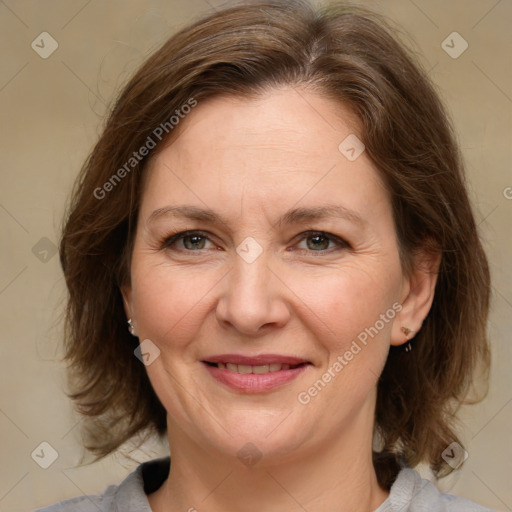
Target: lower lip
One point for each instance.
(254, 382)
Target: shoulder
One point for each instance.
(86, 503)
(412, 493)
(129, 496)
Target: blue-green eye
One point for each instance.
(195, 241)
(191, 241)
(320, 241)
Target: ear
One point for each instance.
(417, 296)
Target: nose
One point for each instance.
(253, 299)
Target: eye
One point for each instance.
(320, 241)
(195, 241)
(191, 241)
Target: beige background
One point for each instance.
(51, 115)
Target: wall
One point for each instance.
(51, 115)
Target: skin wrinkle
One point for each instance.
(286, 302)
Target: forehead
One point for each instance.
(280, 148)
(284, 124)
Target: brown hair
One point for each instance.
(347, 54)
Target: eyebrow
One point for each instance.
(293, 216)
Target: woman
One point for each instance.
(276, 210)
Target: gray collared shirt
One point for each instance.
(409, 493)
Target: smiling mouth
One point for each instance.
(259, 369)
(261, 373)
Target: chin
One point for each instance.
(267, 438)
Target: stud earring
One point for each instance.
(130, 327)
(407, 331)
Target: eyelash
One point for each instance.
(167, 242)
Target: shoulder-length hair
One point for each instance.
(349, 55)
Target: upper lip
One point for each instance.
(261, 359)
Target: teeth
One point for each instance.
(277, 367)
(260, 369)
(245, 368)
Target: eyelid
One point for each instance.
(342, 244)
(170, 239)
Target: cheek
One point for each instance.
(352, 321)
(346, 301)
(168, 302)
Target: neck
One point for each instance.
(338, 475)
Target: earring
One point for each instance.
(407, 331)
(130, 327)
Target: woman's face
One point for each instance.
(269, 285)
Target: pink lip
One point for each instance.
(255, 382)
(255, 360)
